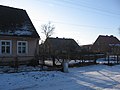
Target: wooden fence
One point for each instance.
(16, 60)
(57, 60)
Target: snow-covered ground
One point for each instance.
(95, 77)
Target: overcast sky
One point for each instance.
(82, 20)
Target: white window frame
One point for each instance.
(26, 51)
(1, 47)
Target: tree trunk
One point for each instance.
(53, 58)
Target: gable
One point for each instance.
(16, 22)
(103, 43)
(106, 40)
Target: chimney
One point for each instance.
(111, 36)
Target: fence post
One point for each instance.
(53, 58)
(16, 64)
(117, 59)
(108, 60)
(43, 61)
(95, 58)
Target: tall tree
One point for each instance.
(47, 29)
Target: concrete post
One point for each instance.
(65, 66)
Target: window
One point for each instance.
(5, 47)
(22, 47)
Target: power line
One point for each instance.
(83, 2)
(97, 10)
(71, 24)
(89, 7)
(77, 25)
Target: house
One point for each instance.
(106, 44)
(60, 45)
(86, 48)
(19, 39)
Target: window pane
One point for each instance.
(3, 43)
(3, 49)
(7, 49)
(19, 43)
(19, 49)
(7, 43)
(24, 50)
(23, 44)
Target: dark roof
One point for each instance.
(16, 22)
(107, 39)
(62, 44)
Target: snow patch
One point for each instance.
(18, 32)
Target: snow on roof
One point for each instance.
(24, 30)
(114, 45)
(18, 32)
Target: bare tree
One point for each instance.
(48, 29)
